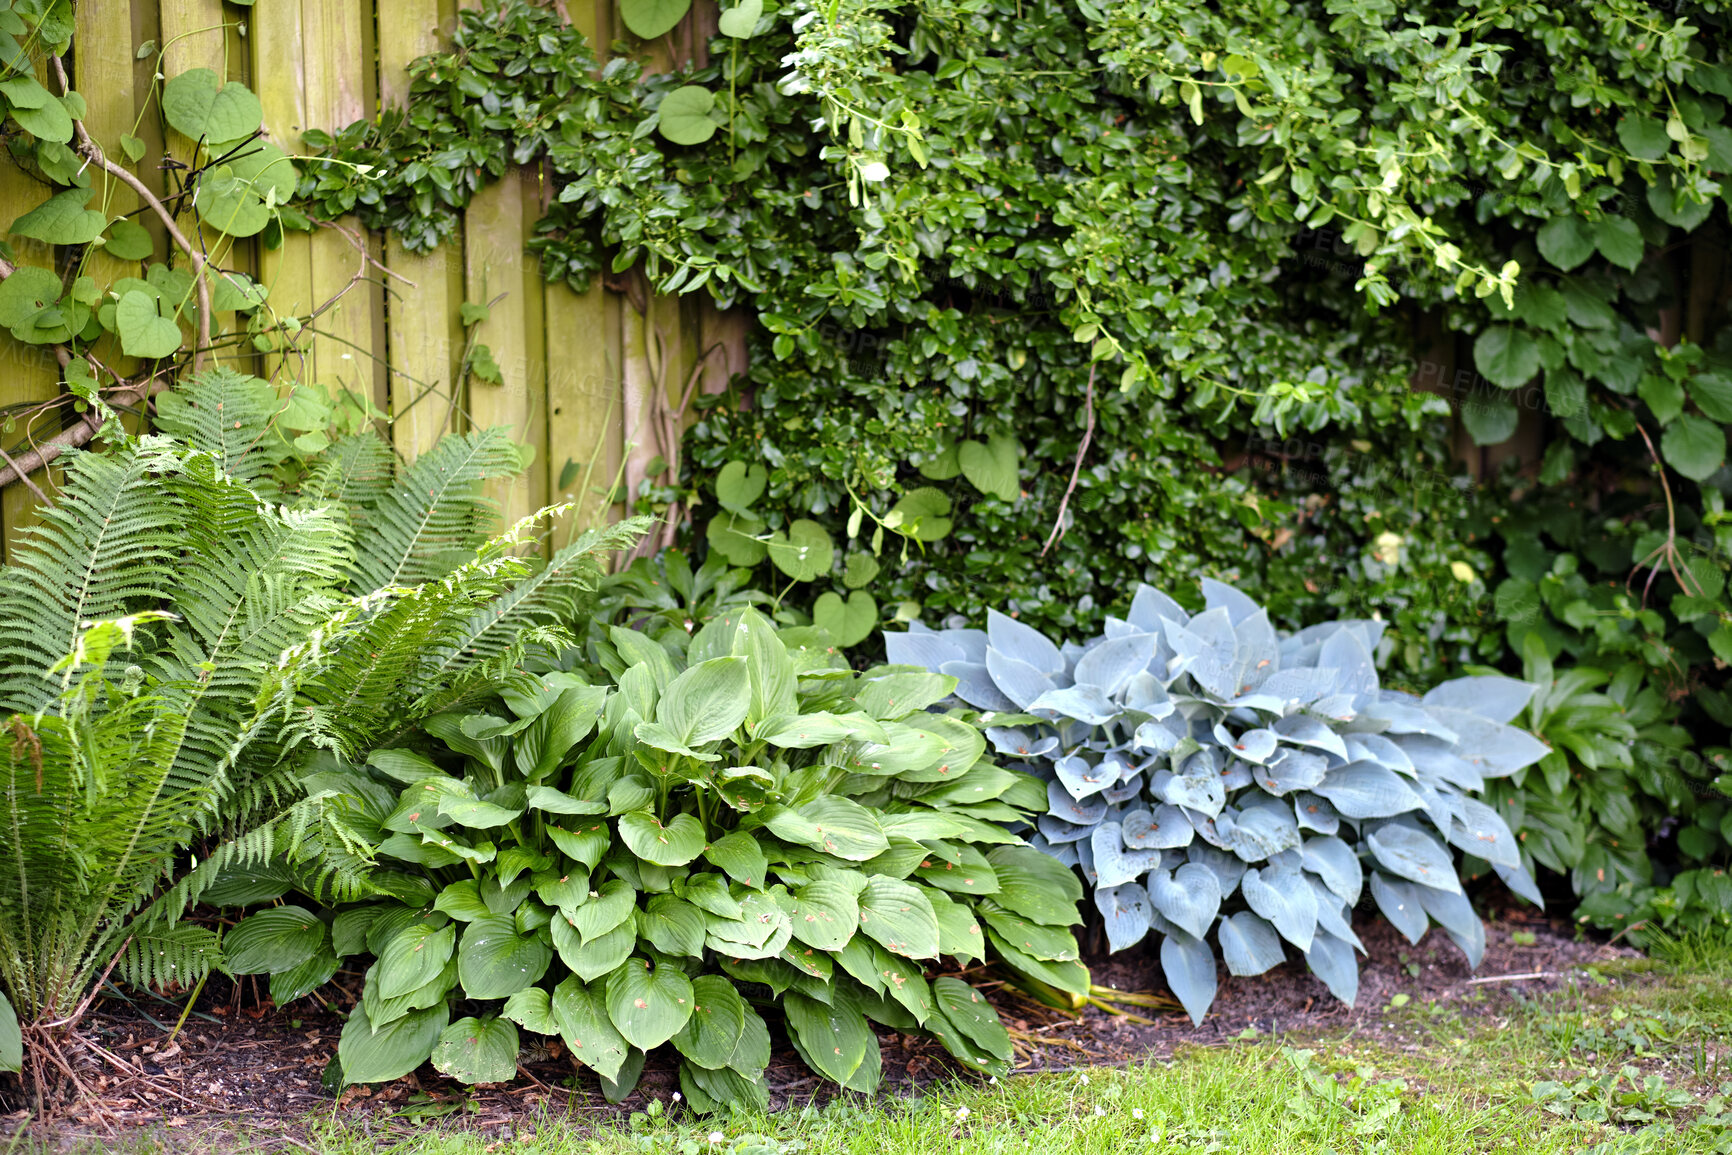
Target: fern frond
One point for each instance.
(436, 514)
(227, 415)
(168, 956)
(109, 546)
(550, 596)
(354, 474)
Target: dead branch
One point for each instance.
(1076, 470)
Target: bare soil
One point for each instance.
(240, 1062)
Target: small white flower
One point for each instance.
(1136, 1112)
(676, 1096)
(1085, 1079)
(994, 1079)
(716, 1136)
(961, 1113)
(1100, 1110)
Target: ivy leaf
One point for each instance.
(143, 331)
(199, 105)
(1507, 356)
(1644, 137)
(1620, 241)
(848, 623)
(991, 468)
(1694, 446)
(685, 113)
(741, 20)
(62, 219)
(1489, 420)
(1711, 391)
(650, 18)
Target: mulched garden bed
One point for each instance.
(241, 1062)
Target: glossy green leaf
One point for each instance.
(473, 1050)
(649, 1004)
(494, 961)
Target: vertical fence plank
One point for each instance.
(279, 46)
(493, 276)
(423, 338)
(28, 373)
(530, 290)
(334, 70)
(194, 36)
(585, 412)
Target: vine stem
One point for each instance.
(1076, 469)
(1669, 550)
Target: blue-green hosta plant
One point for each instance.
(1208, 776)
(648, 847)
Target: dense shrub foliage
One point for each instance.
(646, 848)
(1206, 774)
(1200, 239)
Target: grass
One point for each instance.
(1635, 1058)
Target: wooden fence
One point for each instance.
(590, 381)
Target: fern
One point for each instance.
(164, 956)
(109, 547)
(353, 475)
(436, 513)
(227, 415)
(549, 595)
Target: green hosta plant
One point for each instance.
(1206, 774)
(677, 831)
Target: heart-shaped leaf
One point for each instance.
(1189, 898)
(737, 485)
(393, 1049)
(648, 1004)
(991, 468)
(1694, 446)
(494, 961)
(740, 20)
(1412, 854)
(1189, 965)
(848, 623)
(712, 1034)
(675, 843)
(581, 1012)
(199, 105)
(62, 219)
(1164, 828)
(1125, 910)
(1508, 356)
(1566, 241)
(685, 119)
(1281, 895)
(650, 18)
(899, 917)
(1249, 944)
(273, 940)
(414, 958)
(804, 552)
(473, 1050)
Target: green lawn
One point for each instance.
(1635, 1058)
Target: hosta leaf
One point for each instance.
(1412, 854)
(898, 916)
(1337, 865)
(531, 1009)
(740, 856)
(581, 1012)
(1048, 943)
(834, 1039)
(1126, 911)
(1331, 960)
(1281, 895)
(825, 914)
(1036, 886)
(1367, 790)
(277, 939)
(710, 1037)
(833, 824)
(584, 842)
(473, 1050)
(673, 926)
(605, 910)
(648, 1004)
(1399, 902)
(1189, 965)
(592, 958)
(707, 702)
(414, 958)
(1249, 945)
(1189, 897)
(394, 1049)
(494, 961)
(969, 1011)
(300, 981)
(678, 842)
